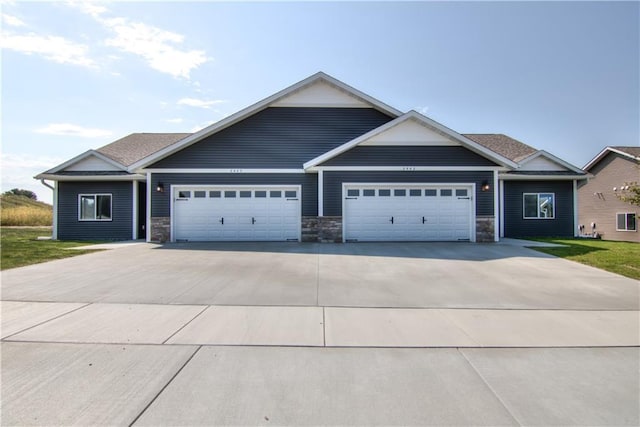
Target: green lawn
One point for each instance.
(19, 247)
(617, 257)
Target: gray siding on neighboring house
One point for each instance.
(514, 223)
(277, 137)
(409, 156)
(160, 202)
(333, 185)
(597, 202)
(119, 228)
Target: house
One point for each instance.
(317, 161)
(599, 209)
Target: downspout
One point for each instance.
(54, 229)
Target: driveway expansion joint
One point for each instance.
(165, 386)
(495, 394)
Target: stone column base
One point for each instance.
(160, 229)
(485, 228)
(324, 229)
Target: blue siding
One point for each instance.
(333, 185)
(277, 138)
(409, 156)
(70, 228)
(160, 202)
(514, 223)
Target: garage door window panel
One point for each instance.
(94, 207)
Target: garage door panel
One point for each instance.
(243, 214)
(420, 212)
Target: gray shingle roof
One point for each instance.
(137, 146)
(506, 146)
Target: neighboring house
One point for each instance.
(600, 211)
(318, 161)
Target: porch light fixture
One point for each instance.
(485, 186)
(160, 188)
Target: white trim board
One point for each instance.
(221, 170)
(407, 168)
(53, 177)
(81, 157)
(425, 121)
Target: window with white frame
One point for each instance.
(626, 221)
(94, 207)
(538, 205)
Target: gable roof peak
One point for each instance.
(629, 152)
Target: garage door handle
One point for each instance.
(221, 221)
(391, 220)
(423, 220)
(253, 220)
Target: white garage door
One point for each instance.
(236, 213)
(408, 212)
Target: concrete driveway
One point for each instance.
(306, 334)
(427, 275)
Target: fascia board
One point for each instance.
(82, 156)
(542, 153)
(420, 118)
(603, 153)
(254, 108)
(54, 177)
(511, 177)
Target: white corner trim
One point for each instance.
(134, 210)
(320, 193)
(501, 208)
(147, 227)
(575, 208)
(54, 234)
(258, 106)
(497, 221)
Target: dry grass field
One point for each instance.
(23, 211)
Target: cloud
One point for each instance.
(57, 49)
(67, 129)
(18, 171)
(422, 110)
(202, 126)
(12, 21)
(158, 47)
(201, 103)
(176, 120)
(88, 7)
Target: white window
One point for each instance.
(538, 205)
(94, 207)
(626, 221)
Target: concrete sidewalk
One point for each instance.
(315, 326)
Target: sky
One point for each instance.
(559, 76)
